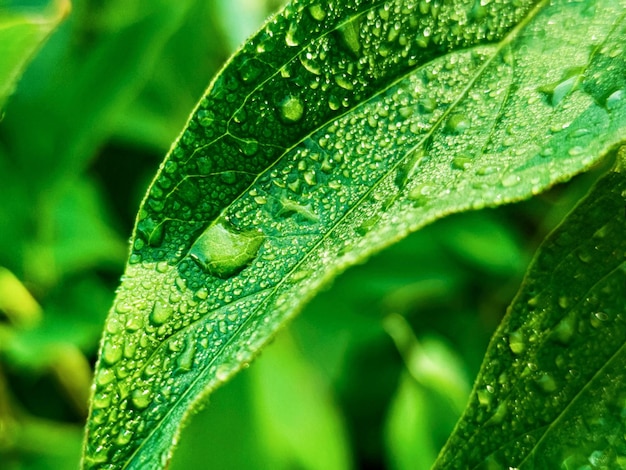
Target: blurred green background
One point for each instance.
(373, 374)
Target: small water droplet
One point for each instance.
(250, 147)
(111, 352)
(557, 91)
(124, 437)
(222, 372)
(484, 397)
(614, 100)
(457, 124)
(223, 251)
(141, 398)
(598, 318)
(102, 400)
(461, 163)
(510, 180)
(185, 360)
(317, 12)
(161, 313)
(151, 231)
(291, 109)
(228, 177)
(565, 329)
(517, 342)
(350, 34)
(547, 383)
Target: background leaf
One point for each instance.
(239, 228)
(22, 31)
(551, 390)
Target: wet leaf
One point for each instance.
(22, 31)
(551, 390)
(335, 131)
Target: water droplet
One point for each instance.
(291, 38)
(105, 376)
(510, 180)
(291, 109)
(290, 207)
(152, 231)
(223, 372)
(161, 313)
(228, 177)
(555, 92)
(461, 163)
(250, 147)
(111, 352)
(317, 12)
(223, 251)
(185, 360)
(598, 318)
(206, 118)
(484, 396)
(102, 400)
(141, 398)
(350, 34)
(124, 437)
(547, 383)
(565, 329)
(457, 124)
(614, 100)
(517, 342)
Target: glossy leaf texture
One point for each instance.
(22, 31)
(551, 390)
(335, 131)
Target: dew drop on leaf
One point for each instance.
(317, 12)
(111, 352)
(516, 342)
(291, 109)
(614, 100)
(141, 398)
(223, 251)
(185, 360)
(457, 124)
(161, 312)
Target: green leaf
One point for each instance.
(551, 390)
(335, 131)
(22, 31)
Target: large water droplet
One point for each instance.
(223, 251)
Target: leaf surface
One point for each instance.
(551, 390)
(336, 130)
(22, 31)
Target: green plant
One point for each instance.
(334, 132)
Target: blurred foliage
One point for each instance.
(373, 374)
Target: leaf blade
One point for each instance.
(21, 33)
(321, 198)
(561, 347)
